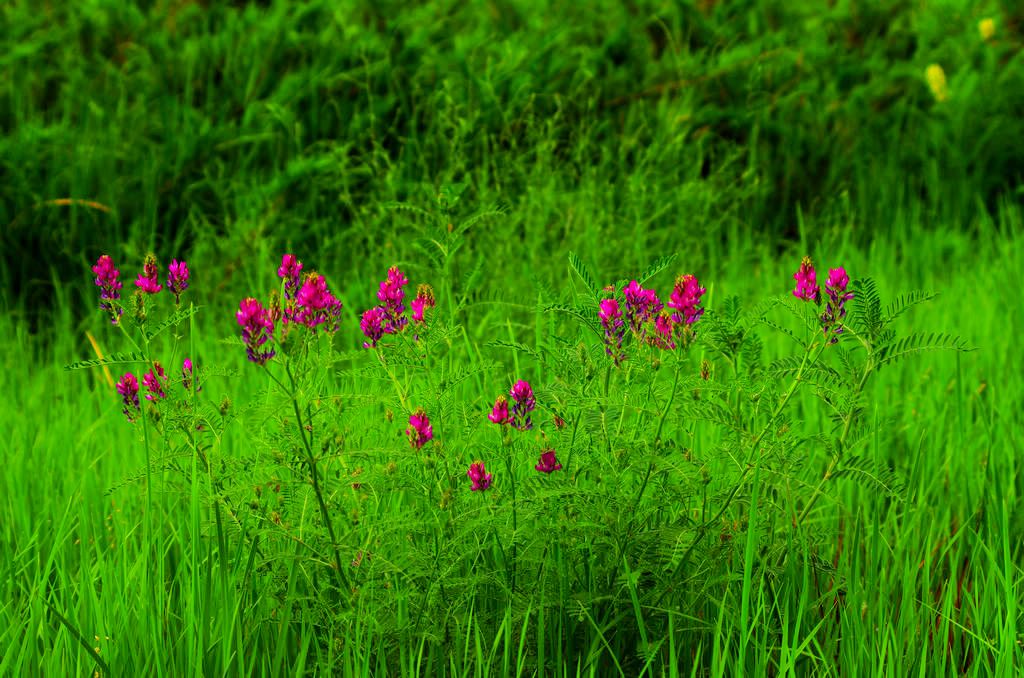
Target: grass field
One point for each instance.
(721, 510)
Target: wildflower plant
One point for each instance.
(631, 458)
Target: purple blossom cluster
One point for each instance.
(648, 319)
(480, 478)
(315, 305)
(155, 383)
(147, 282)
(308, 302)
(389, 316)
(110, 287)
(614, 329)
(523, 403)
(836, 296)
(420, 431)
(548, 463)
(257, 330)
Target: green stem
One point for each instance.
(515, 513)
(868, 369)
(315, 475)
(394, 380)
(703, 528)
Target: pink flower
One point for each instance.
(110, 287)
(838, 279)
(290, 270)
(149, 280)
(685, 299)
(614, 329)
(523, 403)
(835, 307)
(663, 329)
(548, 463)
(479, 476)
(186, 376)
(424, 300)
(257, 330)
(393, 296)
(372, 325)
(128, 387)
(641, 305)
(177, 279)
(420, 431)
(154, 381)
(807, 282)
(500, 414)
(316, 305)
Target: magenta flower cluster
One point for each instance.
(128, 387)
(148, 281)
(614, 329)
(389, 316)
(155, 382)
(523, 404)
(308, 301)
(548, 463)
(314, 305)
(836, 296)
(420, 431)
(648, 319)
(177, 279)
(685, 299)
(110, 287)
(186, 376)
(257, 330)
(480, 478)
(290, 271)
(518, 416)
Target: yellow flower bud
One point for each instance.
(987, 28)
(936, 78)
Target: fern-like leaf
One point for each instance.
(112, 359)
(916, 343)
(866, 471)
(657, 267)
(179, 316)
(585, 274)
(904, 302)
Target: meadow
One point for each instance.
(729, 492)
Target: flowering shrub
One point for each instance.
(620, 473)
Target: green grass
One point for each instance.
(736, 135)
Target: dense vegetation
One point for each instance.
(754, 501)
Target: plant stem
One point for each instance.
(848, 421)
(314, 474)
(703, 528)
(515, 513)
(402, 397)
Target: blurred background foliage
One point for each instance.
(227, 131)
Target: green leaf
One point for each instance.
(905, 302)
(515, 346)
(407, 207)
(578, 313)
(657, 267)
(866, 471)
(584, 273)
(916, 343)
(179, 316)
(112, 359)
